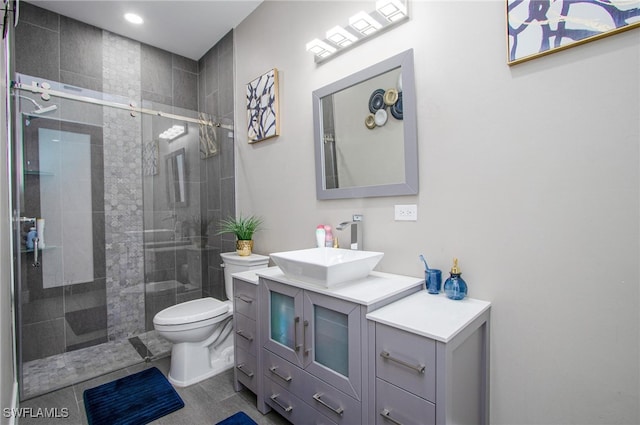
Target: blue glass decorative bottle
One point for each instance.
(455, 288)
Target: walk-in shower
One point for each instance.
(123, 227)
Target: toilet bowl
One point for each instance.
(201, 330)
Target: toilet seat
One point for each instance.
(201, 309)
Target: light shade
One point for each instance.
(364, 23)
(340, 37)
(392, 10)
(133, 18)
(320, 48)
(173, 133)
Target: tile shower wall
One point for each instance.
(123, 190)
(57, 48)
(215, 97)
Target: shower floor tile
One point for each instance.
(45, 375)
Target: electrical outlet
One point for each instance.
(406, 213)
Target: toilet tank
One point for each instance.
(234, 263)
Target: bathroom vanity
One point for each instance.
(313, 353)
(430, 358)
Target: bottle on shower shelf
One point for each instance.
(40, 232)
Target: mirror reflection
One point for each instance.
(365, 132)
(176, 178)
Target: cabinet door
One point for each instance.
(331, 342)
(282, 321)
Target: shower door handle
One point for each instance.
(35, 263)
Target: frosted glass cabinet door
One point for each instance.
(332, 342)
(283, 327)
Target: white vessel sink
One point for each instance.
(326, 266)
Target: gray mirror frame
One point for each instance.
(403, 60)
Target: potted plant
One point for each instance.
(243, 228)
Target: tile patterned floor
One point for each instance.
(62, 370)
(206, 403)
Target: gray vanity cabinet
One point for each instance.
(313, 358)
(430, 358)
(245, 304)
(312, 351)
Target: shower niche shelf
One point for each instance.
(38, 173)
(46, 248)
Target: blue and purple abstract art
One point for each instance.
(538, 27)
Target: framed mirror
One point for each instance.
(177, 178)
(365, 132)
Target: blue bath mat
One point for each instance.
(133, 400)
(239, 418)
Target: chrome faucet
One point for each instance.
(356, 231)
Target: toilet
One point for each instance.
(201, 330)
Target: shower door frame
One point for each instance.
(19, 203)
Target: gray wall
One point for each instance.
(529, 174)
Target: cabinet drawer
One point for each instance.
(334, 404)
(245, 298)
(291, 407)
(406, 360)
(284, 373)
(245, 331)
(246, 369)
(396, 406)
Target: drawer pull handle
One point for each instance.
(248, 337)
(317, 398)
(240, 367)
(284, 378)
(419, 368)
(244, 298)
(296, 346)
(387, 415)
(274, 397)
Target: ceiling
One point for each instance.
(187, 28)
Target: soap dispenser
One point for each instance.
(454, 287)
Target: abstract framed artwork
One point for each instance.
(540, 27)
(262, 107)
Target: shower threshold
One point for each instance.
(62, 370)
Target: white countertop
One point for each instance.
(248, 276)
(366, 291)
(432, 316)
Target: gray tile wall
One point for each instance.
(215, 97)
(58, 48)
(123, 189)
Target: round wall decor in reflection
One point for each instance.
(390, 97)
(396, 108)
(376, 101)
(381, 117)
(370, 121)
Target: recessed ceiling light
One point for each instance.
(133, 18)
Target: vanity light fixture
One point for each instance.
(364, 23)
(340, 36)
(133, 18)
(173, 133)
(392, 10)
(320, 48)
(361, 27)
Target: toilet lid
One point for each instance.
(191, 311)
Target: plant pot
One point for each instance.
(244, 248)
